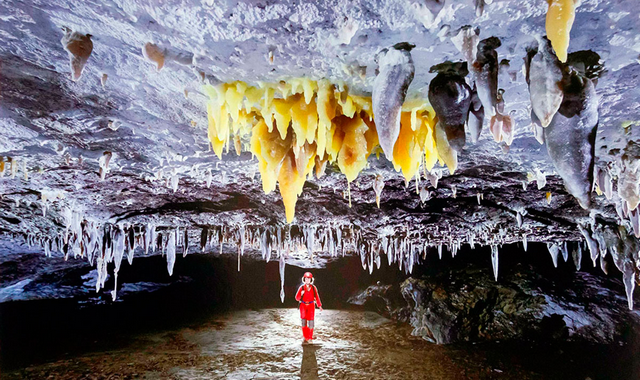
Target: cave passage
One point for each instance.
(212, 321)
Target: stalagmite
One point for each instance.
(281, 266)
(209, 178)
(174, 181)
(378, 185)
(450, 97)
(554, 250)
(155, 54)
(544, 73)
(501, 124)
(425, 194)
(171, 251)
(446, 153)
(466, 41)
(591, 243)
(395, 73)
(629, 185)
(485, 73)
(634, 218)
(103, 80)
(629, 280)
(565, 252)
(13, 168)
(103, 162)
(475, 119)
(577, 257)
(536, 128)
(570, 137)
(541, 179)
(79, 47)
(185, 243)
(494, 261)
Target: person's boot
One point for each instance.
(305, 334)
(309, 334)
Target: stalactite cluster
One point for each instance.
(108, 243)
(302, 124)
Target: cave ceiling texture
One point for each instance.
(264, 129)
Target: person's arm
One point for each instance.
(317, 297)
(299, 294)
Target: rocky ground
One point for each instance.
(265, 344)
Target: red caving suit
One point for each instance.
(307, 305)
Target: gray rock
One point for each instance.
(468, 305)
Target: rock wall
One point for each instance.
(468, 305)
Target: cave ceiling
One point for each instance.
(161, 170)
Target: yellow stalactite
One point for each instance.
(352, 157)
(304, 120)
(326, 112)
(291, 180)
(270, 150)
(282, 112)
(430, 149)
(234, 95)
(406, 152)
(446, 154)
(560, 16)
(309, 89)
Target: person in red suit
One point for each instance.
(308, 296)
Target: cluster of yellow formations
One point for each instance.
(302, 124)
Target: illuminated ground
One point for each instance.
(266, 344)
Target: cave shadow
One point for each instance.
(309, 365)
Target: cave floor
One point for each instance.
(266, 344)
